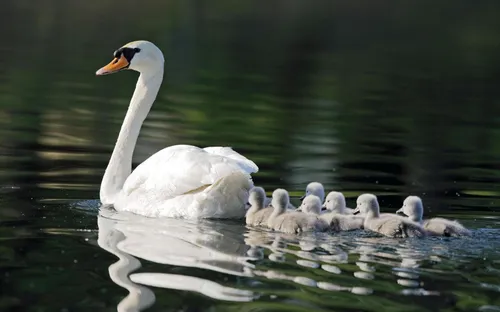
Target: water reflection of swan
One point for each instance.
(173, 242)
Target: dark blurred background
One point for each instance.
(387, 97)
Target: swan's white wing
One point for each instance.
(246, 163)
(180, 169)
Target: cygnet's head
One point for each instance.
(311, 204)
(335, 201)
(280, 200)
(142, 56)
(367, 204)
(257, 197)
(412, 208)
(315, 188)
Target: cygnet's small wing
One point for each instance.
(340, 222)
(350, 222)
(285, 223)
(394, 226)
(445, 227)
(297, 222)
(261, 216)
(412, 229)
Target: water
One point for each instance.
(385, 98)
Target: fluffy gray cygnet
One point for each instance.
(335, 221)
(291, 222)
(335, 202)
(257, 214)
(414, 210)
(390, 225)
(315, 188)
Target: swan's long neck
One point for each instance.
(120, 164)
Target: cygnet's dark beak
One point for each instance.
(323, 207)
(298, 209)
(400, 212)
(302, 197)
(356, 211)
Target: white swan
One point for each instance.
(315, 188)
(180, 181)
(257, 214)
(390, 225)
(291, 222)
(335, 221)
(414, 210)
(335, 202)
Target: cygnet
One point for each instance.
(315, 188)
(414, 210)
(335, 221)
(257, 215)
(268, 203)
(390, 225)
(291, 222)
(335, 202)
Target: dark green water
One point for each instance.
(363, 96)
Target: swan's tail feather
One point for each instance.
(226, 198)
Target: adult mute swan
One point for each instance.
(180, 181)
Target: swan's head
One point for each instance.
(367, 205)
(280, 200)
(412, 208)
(311, 204)
(257, 197)
(142, 56)
(315, 188)
(335, 201)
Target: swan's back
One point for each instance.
(340, 222)
(261, 216)
(298, 222)
(394, 226)
(445, 227)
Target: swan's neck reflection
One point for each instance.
(209, 245)
(139, 297)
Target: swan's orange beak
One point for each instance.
(115, 65)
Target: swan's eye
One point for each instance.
(137, 50)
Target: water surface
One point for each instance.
(393, 99)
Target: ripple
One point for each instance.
(331, 268)
(323, 262)
(308, 264)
